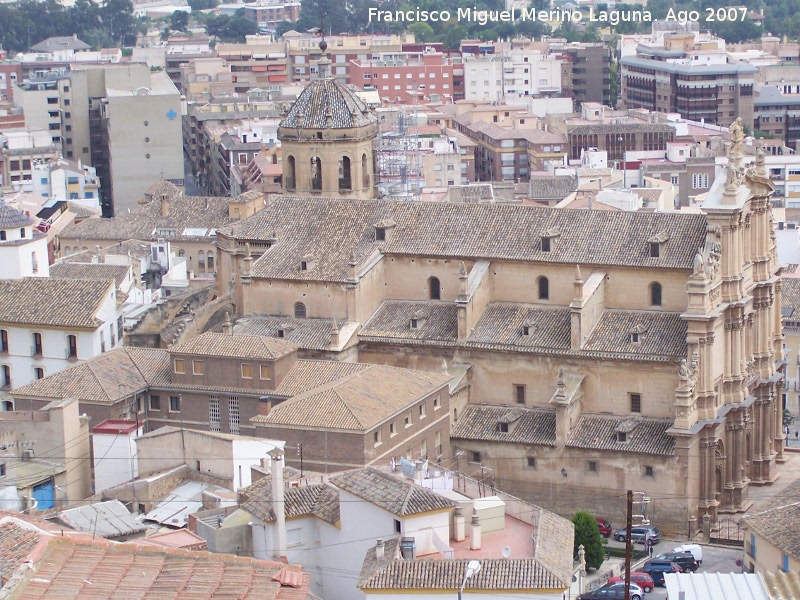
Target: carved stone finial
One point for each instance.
(578, 273)
(247, 252)
(462, 271)
(335, 326)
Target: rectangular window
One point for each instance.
(545, 244)
(247, 371)
(438, 441)
(198, 368)
(3, 470)
(648, 471)
(6, 376)
(751, 551)
(784, 559)
(294, 537)
(213, 413)
(531, 462)
(476, 457)
(421, 411)
(72, 346)
(437, 403)
(636, 402)
(655, 249)
(38, 372)
(519, 394)
(407, 420)
(155, 402)
(174, 404)
(376, 437)
(180, 366)
(266, 372)
(392, 429)
(592, 466)
(3, 340)
(233, 415)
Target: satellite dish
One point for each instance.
(506, 551)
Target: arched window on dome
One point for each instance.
(345, 181)
(364, 171)
(316, 173)
(290, 173)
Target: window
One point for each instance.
(380, 234)
(3, 235)
(636, 402)
(622, 437)
(592, 466)
(421, 411)
(3, 470)
(233, 415)
(699, 181)
(519, 394)
(174, 404)
(213, 413)
(294, 537)
(502, 427)
(299, 310)
(545, 244)
(198, 368)
(544, 288)
(392, 429)
(6, 376)
(247, 371)
(3, 341)
(476, 457)
(674, 179)
(784, 559)
(531, 462)
(407, 420)
(648, 471)
(38, 372)
(413, 324)
(266, 372)
(437, 403)
(22, 232)
(155, 402)
(398, 526)
(376, 437)
(655, 249)
(752, 550)
(434, 288)
(303, 265)
(438, 441)
(72, 346)
(180, 366)
(655, 294)
(37, 344)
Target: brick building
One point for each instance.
(400, 77)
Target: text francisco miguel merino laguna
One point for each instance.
(483, 17)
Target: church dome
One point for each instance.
(324, 98)
(11, 217)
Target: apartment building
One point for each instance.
(20, 150)
(402, 77)
(516, 73)
(39, 97)
(257, 64)
(10, 73)
(267, 14)
(586, 71)
(182, 51)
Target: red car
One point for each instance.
(604, 527)
(643, 580)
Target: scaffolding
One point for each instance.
(400, 174)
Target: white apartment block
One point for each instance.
(516, 74)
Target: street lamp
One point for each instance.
(473, 567)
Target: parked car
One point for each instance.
(640, 578)
(641, 534)
(657, 568)
(604, 527)
(615, 591)
(685, 560)
(695, 549)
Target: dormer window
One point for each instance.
(380, 234)
(383, 229)
(502, 427)
(549, 238)
(655, 250)
(526, 330)
(281, 332)
(545, 244)
(655, 244)
(634, 338)
(413, 324)
(303, 265)
(307, 263)
(636, 334)
(622, 437)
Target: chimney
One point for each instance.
(164, 205)
(475, 536)
(459, 524)
(264, 405)
(379, 549)
(278, 506)
(227, 326)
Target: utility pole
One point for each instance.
(628, 543)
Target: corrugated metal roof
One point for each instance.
(107, 519)
(719, 586)
(184, 500)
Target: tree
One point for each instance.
(422, 32)
(788, 418)
(587, 534)
(179, 20)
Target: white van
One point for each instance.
(695, 549)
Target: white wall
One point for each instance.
(17, 262)
(114, 459)
(247, 452)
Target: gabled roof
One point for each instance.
(391, 493)
(106, 519)
(10, 217)
(356, 402)
(307, 374)
(778, 525)
(54, 44)
(52, 302)
(259, 347)
(462, 231)
(308, 334)
(70, 270)
(319, 500)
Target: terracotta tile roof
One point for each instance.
(502, 324)
(230, 346)
(307, 374)
(778, 525)
(392, 572)
(144, 223)
(104, 379)
(323, 97)
(53, 302)
(308, 334)
(790, 295)
(660, 333)
(643, 436)
(17, 540)
(78, 566)
(11, 218)
(479, 422)
(391, 493)
(358, 401)
(476, 231)
(73, 270)
(320, 500)
(133, 248)
(555, 187)
(161, 187)
(435, 321)
(82, 212)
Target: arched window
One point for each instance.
(655, 294)
(299, 310)
(290, 174)
(181, 253)
(544, 288)
(316, 173)
(435, 288)
(67, 249)
(364, 171)
(201, 261)
(345, 181)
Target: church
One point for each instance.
(595, 351)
